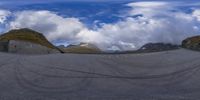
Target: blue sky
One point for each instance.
(88, 12)
(110, 24)
(107, 11)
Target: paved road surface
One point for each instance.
(170, 75)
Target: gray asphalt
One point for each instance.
(169, 75)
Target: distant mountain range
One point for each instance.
(155, 47)
(88, 48)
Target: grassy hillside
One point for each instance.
(27, 35)
(192, 43)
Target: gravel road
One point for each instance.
(169, 75)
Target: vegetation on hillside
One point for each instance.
(27, 35)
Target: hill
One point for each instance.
(192, 43)
(27, 35)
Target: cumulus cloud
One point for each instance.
(3, 15)
(149, 8)
(52, 25)
(196, 14)
(158, 23)
(132, 33)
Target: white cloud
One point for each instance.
(150, 4)
(52, 25)
(3, 15)
(158, 24)
(149, 8)
(132, 33)
(196, 14)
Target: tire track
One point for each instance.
(7, 61)
(81, 85)
(125, 77)
(179, 75)
(150, 80)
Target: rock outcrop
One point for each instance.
(156, 47)
(192, 43)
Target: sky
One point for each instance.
(109, 24)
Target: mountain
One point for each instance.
(82, 48)
(29, 36)
(192, 43)
(156, 47)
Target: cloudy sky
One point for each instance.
(109, 24)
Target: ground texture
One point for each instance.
(170, 75)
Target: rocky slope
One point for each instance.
(156, 47)
(192, 43)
